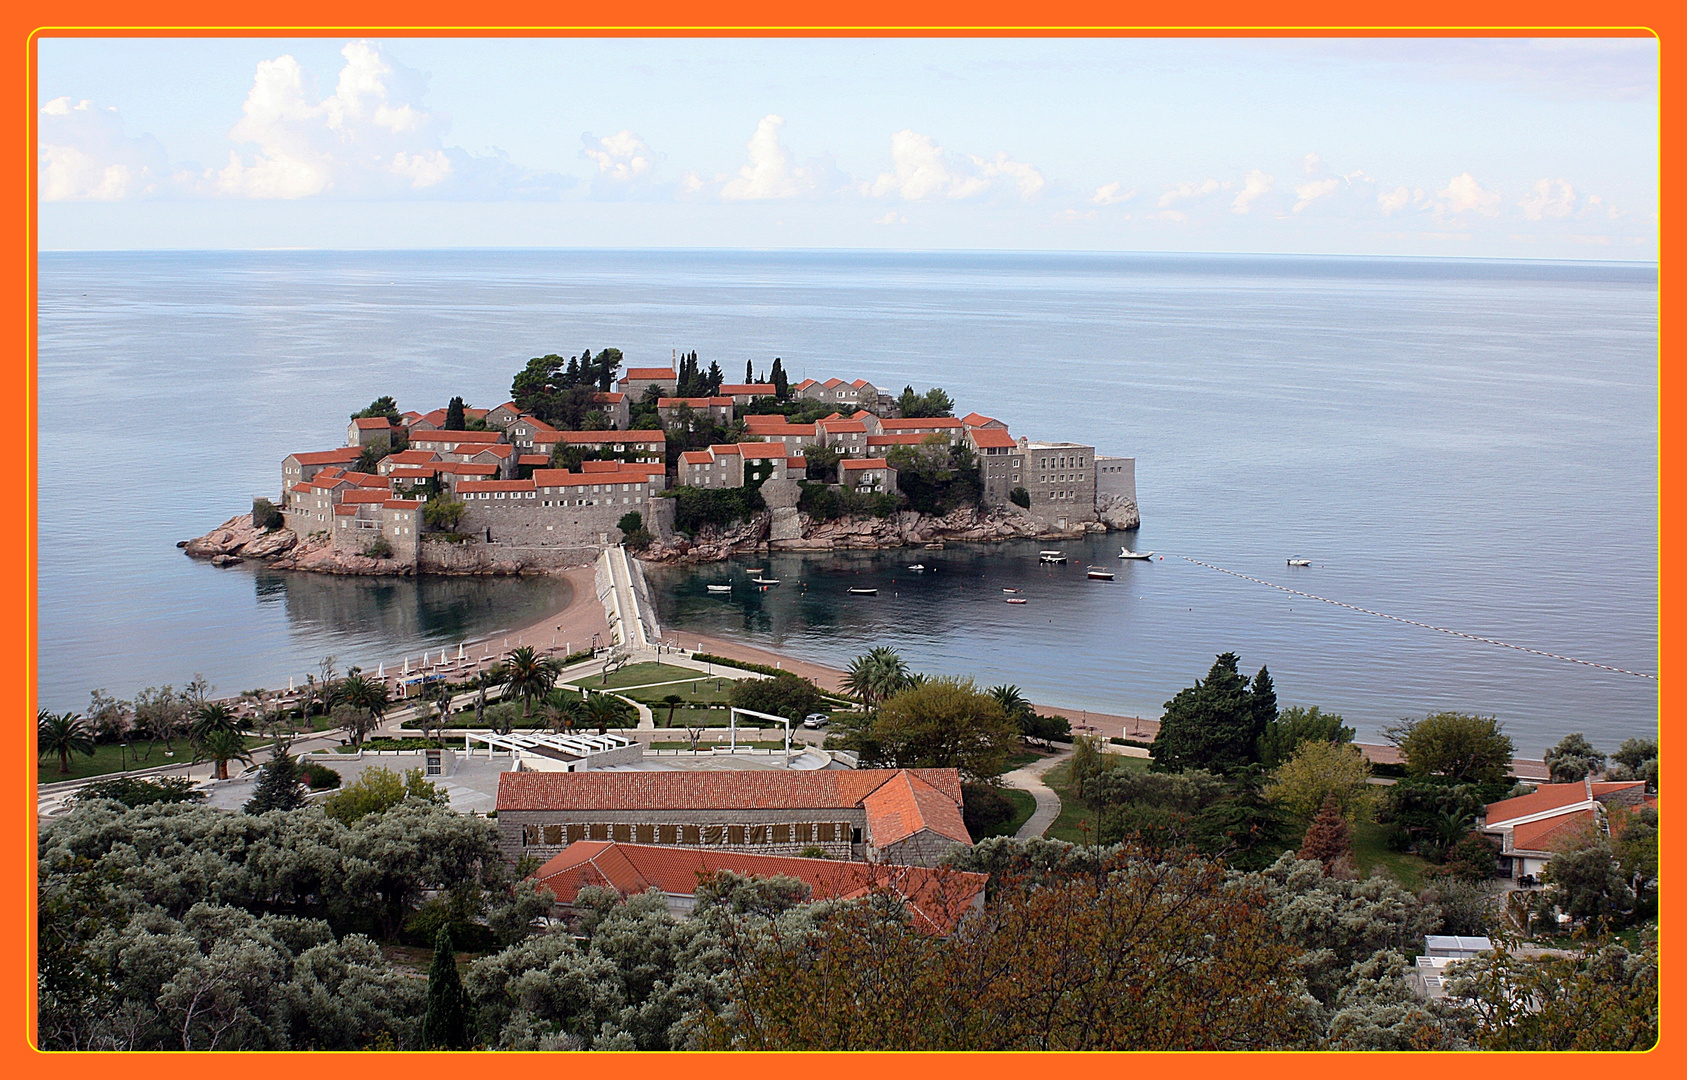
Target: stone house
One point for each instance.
(770, 428)
(649, 445)
(452, 473)
(719, 466)
(896, 816)
(615, 408)
(525, 431)
(859, 394)
(868, 475)
(1532, 828)
(370, 431)
(979, 420)
(1001, 465)
(405, 459)
(302, 468)
(503, 416)
(446, 442)
(435, 420)
(500, 455)
(639, 379)
(717, 409)
(1060, 478)
(847, 437)
(947, 426)
(556, 508)
(744, 393)
(935, 899)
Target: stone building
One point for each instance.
(868, 475)
(900, 816)
(1060, 478)
(557, 508)
(946, 426)
(374, 431)
(446, 443)
(859, 394)
(615, 407)
(639, 379)
(717, 409)
(1001, 464)
(847, 437)
(302, 468)
(744, 393)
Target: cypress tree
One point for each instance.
(781, 388)
(280, 786)
(1262, 700)
(572, 375)
(454, 420)
(445, 1025)
(749, 372)
(716, 377)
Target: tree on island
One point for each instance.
(932, 403)
(1215, 724)
(943, 723)
(443, 513)
(445, 1024)
(1330, 838)
(1295, 725)
(454, 419)
(530, 676)
(381, 406)
(1468, 748)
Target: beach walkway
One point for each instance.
(1030, 778)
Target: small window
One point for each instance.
(553, 835)
(599, 831)
(621, 834)
(689, 834)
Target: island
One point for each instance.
(673, 462)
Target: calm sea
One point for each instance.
(1471, 445)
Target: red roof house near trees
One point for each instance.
(936, 899)
(1557, 817)
(901, 816)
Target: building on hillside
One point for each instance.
(648, 446)
(1001, 465)
(775, 428)
(936, 899)
(950, 428)
(1428, 978)
(615, 408)
(557, 508)
(1060, 478)
(445, 443)
(302, 468)
(979, 420)
(899, 816)
(859, 394)
(1115, 477)
(717, 409)
(639, 379)
(405, 459)
(451, 473)
(715, 467)
(847, 438)
(744, 393)
(503, 416)
(435, 420)
(525, 431)
(1532, 828)
(366, 515)
(868, 475)
(376, 431)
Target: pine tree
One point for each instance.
(1328, 838)
(781, 388)
(749, 372)
(572, 375)
(1262, 698)
(454, 420)
(445, 1025)
(280, 787)
(716, 378)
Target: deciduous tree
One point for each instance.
(1468, 748)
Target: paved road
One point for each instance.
(1030, 778)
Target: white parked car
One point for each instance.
(816, 720)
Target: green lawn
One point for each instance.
(639, 674)
(1024, 805)
(110, 758)
(1369, 850)
(769, 744)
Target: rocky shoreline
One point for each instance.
(783, 529)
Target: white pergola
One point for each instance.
(732, 722)
(579, 746)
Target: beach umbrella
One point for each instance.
(459, 652)
(406, 671)
(381, 670)
(289, 684)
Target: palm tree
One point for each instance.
(672, 701)
(561, 716)
(212, 716)
(221, 746)
(63, 734)
(369, 697)
(607, 710)
(530, 675)
(1014, 704)
(880, 674)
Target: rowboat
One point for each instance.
(1099, 574)
(755, 570)
(718, 588)
(918, 568)
(1127, 553)
(864, 592)
(1013, 590)
(765, 580)
(1016, 600)
(1051, 556)
(1300, 562)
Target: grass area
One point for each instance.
(639, 674)
(1369, 850)
(759, 744)
(1024, 805)
(110, 759)
(1076, 823)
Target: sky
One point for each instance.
(1480, 148)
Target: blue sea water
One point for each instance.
(1471, 445)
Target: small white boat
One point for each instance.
(1013, 590)
(718, 588)
(755, 571)
(1016, 600)
(864, 592)
(1051, 556)
(918, 568)
(1300, 562)
(1099, 574)
(765, 580)
(1127, 553)
(935, 545)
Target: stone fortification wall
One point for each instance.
(524, 522)
(543, 833)
(435, 557)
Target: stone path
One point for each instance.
(1030, 778)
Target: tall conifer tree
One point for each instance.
(445, 1024)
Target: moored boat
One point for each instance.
(718, 588)
(1016, 599)
(1013, 590)
(918, 568)
(1300, 562)
(1099, 574)
(755, 571)
(864, 592)
(765, 580)
(1051, 556)
(1127, 553)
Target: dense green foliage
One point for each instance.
(1217, 723)
(785, 694)
(1294, 725)
(823, 503)
(134, 791)
(932, 403)
(936, 478)
(1462, 746)
(942, 722)
(560, 392)
(633, 532)
(266, 515)
(1573, 759)
(378, 790)
(445, 1023)
(697, 507)
(1020, 497)
(383, 406)
(1429, 814)
(279, 786)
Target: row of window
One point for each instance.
(1063, 478)
(802, 832)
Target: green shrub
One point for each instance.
(695, 507)
(134, 791)
(265, 515)
(378, 548)
(983, 808)
(318, 777)
(823, 503)
(1020, 497)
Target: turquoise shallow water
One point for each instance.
(1471, 445)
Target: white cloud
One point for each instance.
(890, 218)
(1187, 189)
(84, 153)
(1464, 193)
(1318, 189)
(1108, 194)
(768, 174)
(1312, 163)
(1258, 183)
(1549, 199)
(621, 157)
(925, 170)
(1392, 201)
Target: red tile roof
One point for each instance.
(936, 898)
(343, 510)
(692, 402)
(832, 383)
(796, 463)
(666, 374)
(300, 487)
(910, 438)
(368, 480)
(975, 419)
(842, 427)
(991, 438)
(500, 450)
(457, 436)
(707, 790)
(596, 438)
(564, 478)
(373, 423)
(402, 504)
(328, 457)
(1543, 798)
(532, 422)
(864, 463)
(805, 384)
(608, 397)
(363, 495)
(860, 384)
(600, 466)
(933, 423)
(741, 389)
(905, 806)
(697, 457)
(465, 468)
(762, 450)
(413, 457)
(1559, 833)
(719, 449)
(533, 459)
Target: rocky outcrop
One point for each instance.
(778, 531)
(1117, 512)
(236, 536)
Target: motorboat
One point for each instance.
(1099, 574)
(718, 588)
(1051, 557)
(863, 592)
(918, 568)
(765, 580)
(1016, 600)
(935, 545)
(1300, 562)
(755, 571)
(1013, 590)
(1127, 553)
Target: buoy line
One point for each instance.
(1414, 622)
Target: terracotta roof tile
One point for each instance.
(496, 485)
(534, 459)
(608, 397)
(1543, 798)
(991, 438)
(934, 423)
(465, 468)
(402, 504)
(364, 495)
(864, 463)
(328, 457)
(742, 389)
(908, 438)
(905, 806)
(373, 423)
(1558, 833)
(975, 419)
(597, 438)
(436, 437)
(822, 789)
(659, 373)
(413, 457)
